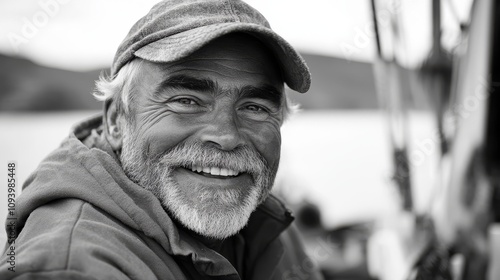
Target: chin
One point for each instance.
(216, 214)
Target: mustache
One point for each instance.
(241, 159)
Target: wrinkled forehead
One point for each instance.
(235, 60)
(235, 55)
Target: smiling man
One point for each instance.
(173, 180)
(203, 133)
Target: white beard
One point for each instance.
(215, 213)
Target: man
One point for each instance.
(173, 180)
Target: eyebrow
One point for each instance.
(186, 82)
(265, 92)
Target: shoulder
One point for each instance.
(295, 259)
(72, 239)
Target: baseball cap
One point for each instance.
(174, 29)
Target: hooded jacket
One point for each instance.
(80, 217)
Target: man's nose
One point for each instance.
(223, 131)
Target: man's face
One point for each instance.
(205, 136)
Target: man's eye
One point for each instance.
(254, 112)
(255, 108)
(186, 101)
(186, 105)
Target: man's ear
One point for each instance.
(113, 125)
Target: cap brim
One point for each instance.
(178, 46)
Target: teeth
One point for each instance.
(214, 171)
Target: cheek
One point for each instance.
(163, 134)
(267, 141)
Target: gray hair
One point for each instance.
(121, 86)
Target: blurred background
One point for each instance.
(337, 153)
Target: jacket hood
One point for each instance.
(78, 169)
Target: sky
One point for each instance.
(84, 35)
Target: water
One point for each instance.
(337, 160)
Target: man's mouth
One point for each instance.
(214, 171)
(212, 176)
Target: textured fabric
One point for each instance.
(80, 217)
(174, 29)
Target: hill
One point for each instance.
(26, 86)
